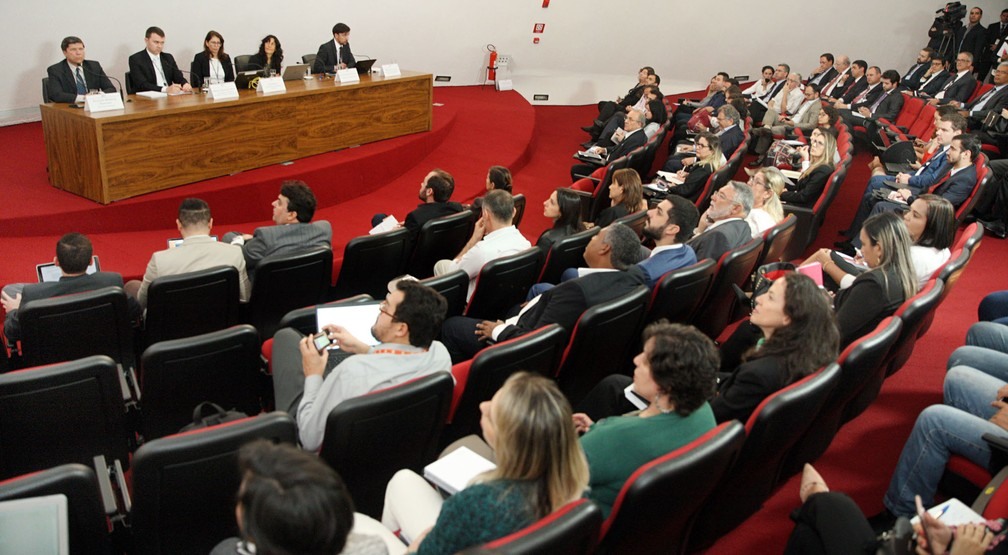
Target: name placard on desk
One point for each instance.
(348, 75)
(271, 85)
(223, 91)
(390, 70)
(102, 102)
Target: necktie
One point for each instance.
(832, 84)
(339, 55)
(979, 104)
(950, 82)
(879, 101)
(862, 96)
(81, 87)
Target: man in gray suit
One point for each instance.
(198, 251)
(294, 230)
(73, 255)
(723, 227)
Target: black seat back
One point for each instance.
(284, 283)
(453, 286)
(370, 262)
(568, 252)
(678, 294)
(189, 304)
(570, 530)
(439, 238)
(503, 283)
(734, 268)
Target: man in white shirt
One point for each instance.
(788, 100)
(494, 236)
(151, 69)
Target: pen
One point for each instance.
(943, 511)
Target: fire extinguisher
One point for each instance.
(492, 66)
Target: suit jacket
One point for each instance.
(200, 68)
(325, 60)
(565, 303)
(911, 80)
(195, 254)
(664, 261)
(427, 211)
(65, 286)
(632, 96)
(716, 241)
(827, 76)
(730, 140)
(630, 142)
(281, 239)
(62, 85)
(842, 79)
(972, 41)
(144, 76)
(807, 190)
(936, 83)
(869, 99)
(854, 88)
(258, 62)
(960, 88)
(995, 103)
(746, 387)
(957, 188)
(890, 106)
(933, 170)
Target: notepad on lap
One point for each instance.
(952, 513)
(454, 471)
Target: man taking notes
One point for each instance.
(72, 78)
(154, 70)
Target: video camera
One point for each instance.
(952, 12)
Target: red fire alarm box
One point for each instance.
(539, 27)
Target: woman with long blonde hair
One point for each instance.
(817, 164)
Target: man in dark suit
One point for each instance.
(723, 227)
(615, 247)
(972, 38)
(634, 137)
(994, 100)
(73, 255)
(997, 32)
(911, 80)
(825, 72)
(72, 78)
(957, 90)
(294, 230)
(154, 70)
(934, 79)
(731, 134)
(335, 54)
(871, 92)
(887, 105)
(855, 84)
(436, 189)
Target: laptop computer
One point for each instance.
(893, 168)
(172, 243)
(37, 525)
(295, 72)
(364, 66)
(51, 272)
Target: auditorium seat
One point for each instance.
(59, 414)
(370, 262)
(241, 63)
(284, 283)
(568, 252)
(503, 283)
(477, 379)
(193, 303)
(185, 485)
(519, 207)
(718, 306)
(371, 437)
(439, 238)
(45, 90)
(570, 530)
(868, 370)
(914, 312)
(984, 175)
(678, 294)
(453, 286)
(221, 367)
(657, 506)
(601, 343)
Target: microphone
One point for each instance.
(106, 76)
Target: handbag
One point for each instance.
(698, 120)
(208, 414)
(765, 275)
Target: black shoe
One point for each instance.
(996, 228)
(757, 162)
(843, 233)
(845, 247)
(588, 129)
(882, 522)
(587, 145)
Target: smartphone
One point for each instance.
(321, 341)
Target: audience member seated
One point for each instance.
(891, 279)
(868, 96)
(767, 184)
(806, 118)
(435, 190)
(73, 78)
(839, 81)
(784, 155)
(930, 221)
(992, 101)
(758, 106)
(992, 210)
(763, 84)
(702, 109)
(817, 164)
(729, 130)
(955, 189)
(290, 501)
(723, 227)
(654, 114)
(563, 207)
(294, 230)
(824, 72)
(270, 55)
(852, 87)
(606, 108)
(935, 78)
(734, 98)
(913, 78)
(922, 150)
(959, 86)
(674, 379)
(694, 170)
(494, 236)
(198, 251)
(615, 246)
(633, 137)
(540, 468)
(626, 195)
(886, 106)
(498, 177)
(788, 100)
(308, 387)
(73, 255)
(212, 66)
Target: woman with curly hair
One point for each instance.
(270, 54)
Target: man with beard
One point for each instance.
(669, 224)
(723, 227)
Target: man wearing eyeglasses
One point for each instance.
(960, 85)
(723, 227)
(994, 100)
(305, 385)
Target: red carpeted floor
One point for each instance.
(474, 129)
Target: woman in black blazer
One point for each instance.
(270, 54)
(819, 157)
(212, 65)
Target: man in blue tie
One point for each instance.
(74, 77)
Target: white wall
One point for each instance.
(575, 62)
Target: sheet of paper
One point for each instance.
(453, 472)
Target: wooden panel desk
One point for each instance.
(157, 144)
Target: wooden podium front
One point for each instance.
(157, 144)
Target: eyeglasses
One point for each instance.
(214, 42)
(819, 142)
(383, 308)
(962, 61)
(702, 145)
